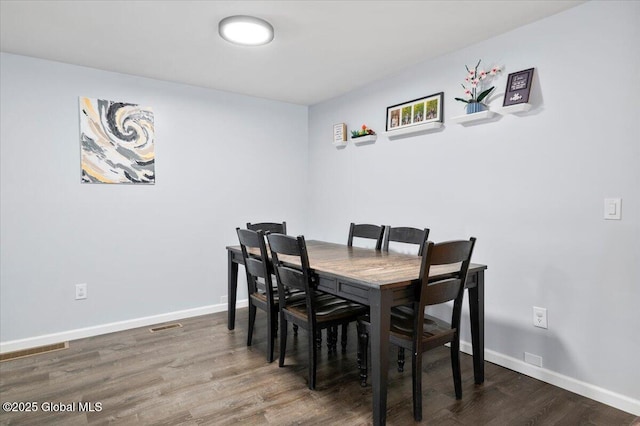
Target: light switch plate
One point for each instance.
(612, 208)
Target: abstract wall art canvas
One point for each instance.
(117, 142)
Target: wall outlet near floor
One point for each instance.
(223, 299)
(533, 359)
(81, 291)
(540, 317)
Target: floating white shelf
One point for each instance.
(364, 139)
(414, 130)
(340, 144)
(468, 118)
(512, 109)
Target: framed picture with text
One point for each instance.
(339, 133)
(415, 112)
(518, 87)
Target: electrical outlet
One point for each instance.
(533, 359)
(540, 317)
(81, 291)
(224, 299)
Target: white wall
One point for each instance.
(142, 250)
(530, 188)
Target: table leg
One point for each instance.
(232, 289)
(380, 312)
(476, 312)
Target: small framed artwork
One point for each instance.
(339, 133)
(415, 112)
(518, 87)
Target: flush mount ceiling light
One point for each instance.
(245, 30)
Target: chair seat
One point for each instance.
(436, 332)
(328, 308)
(293, 296)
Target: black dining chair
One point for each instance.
(276, 228)
(366, 231)
(412, 329)
(318, 310)
(262, 293)
(405, 235)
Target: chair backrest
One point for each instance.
(257, 262)
(276, 228)
(372, 232)
(406, 235)
(456, 254)
(291, 264)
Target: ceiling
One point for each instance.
(321, 49)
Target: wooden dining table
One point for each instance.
(378, 280)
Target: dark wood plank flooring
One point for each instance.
(203, 373)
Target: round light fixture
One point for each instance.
(245, 30)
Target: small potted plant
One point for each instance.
(475, 79)
(364, 134)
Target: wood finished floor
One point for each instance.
(203, 373)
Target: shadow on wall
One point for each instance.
(513, 340)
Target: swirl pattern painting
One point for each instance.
(117, 142)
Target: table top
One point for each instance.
(368, 266)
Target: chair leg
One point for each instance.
(313, 359)
(318, 342)
(416, 376)
(358, 348)
(343, 340)
(332, 339)
(363, 349)
(283, 340)
(455, 368)
(295, 329)
(400, 359)
(252, 321)
(272, 330)
(274, 316)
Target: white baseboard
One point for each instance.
(587, 390)
(81, 333)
